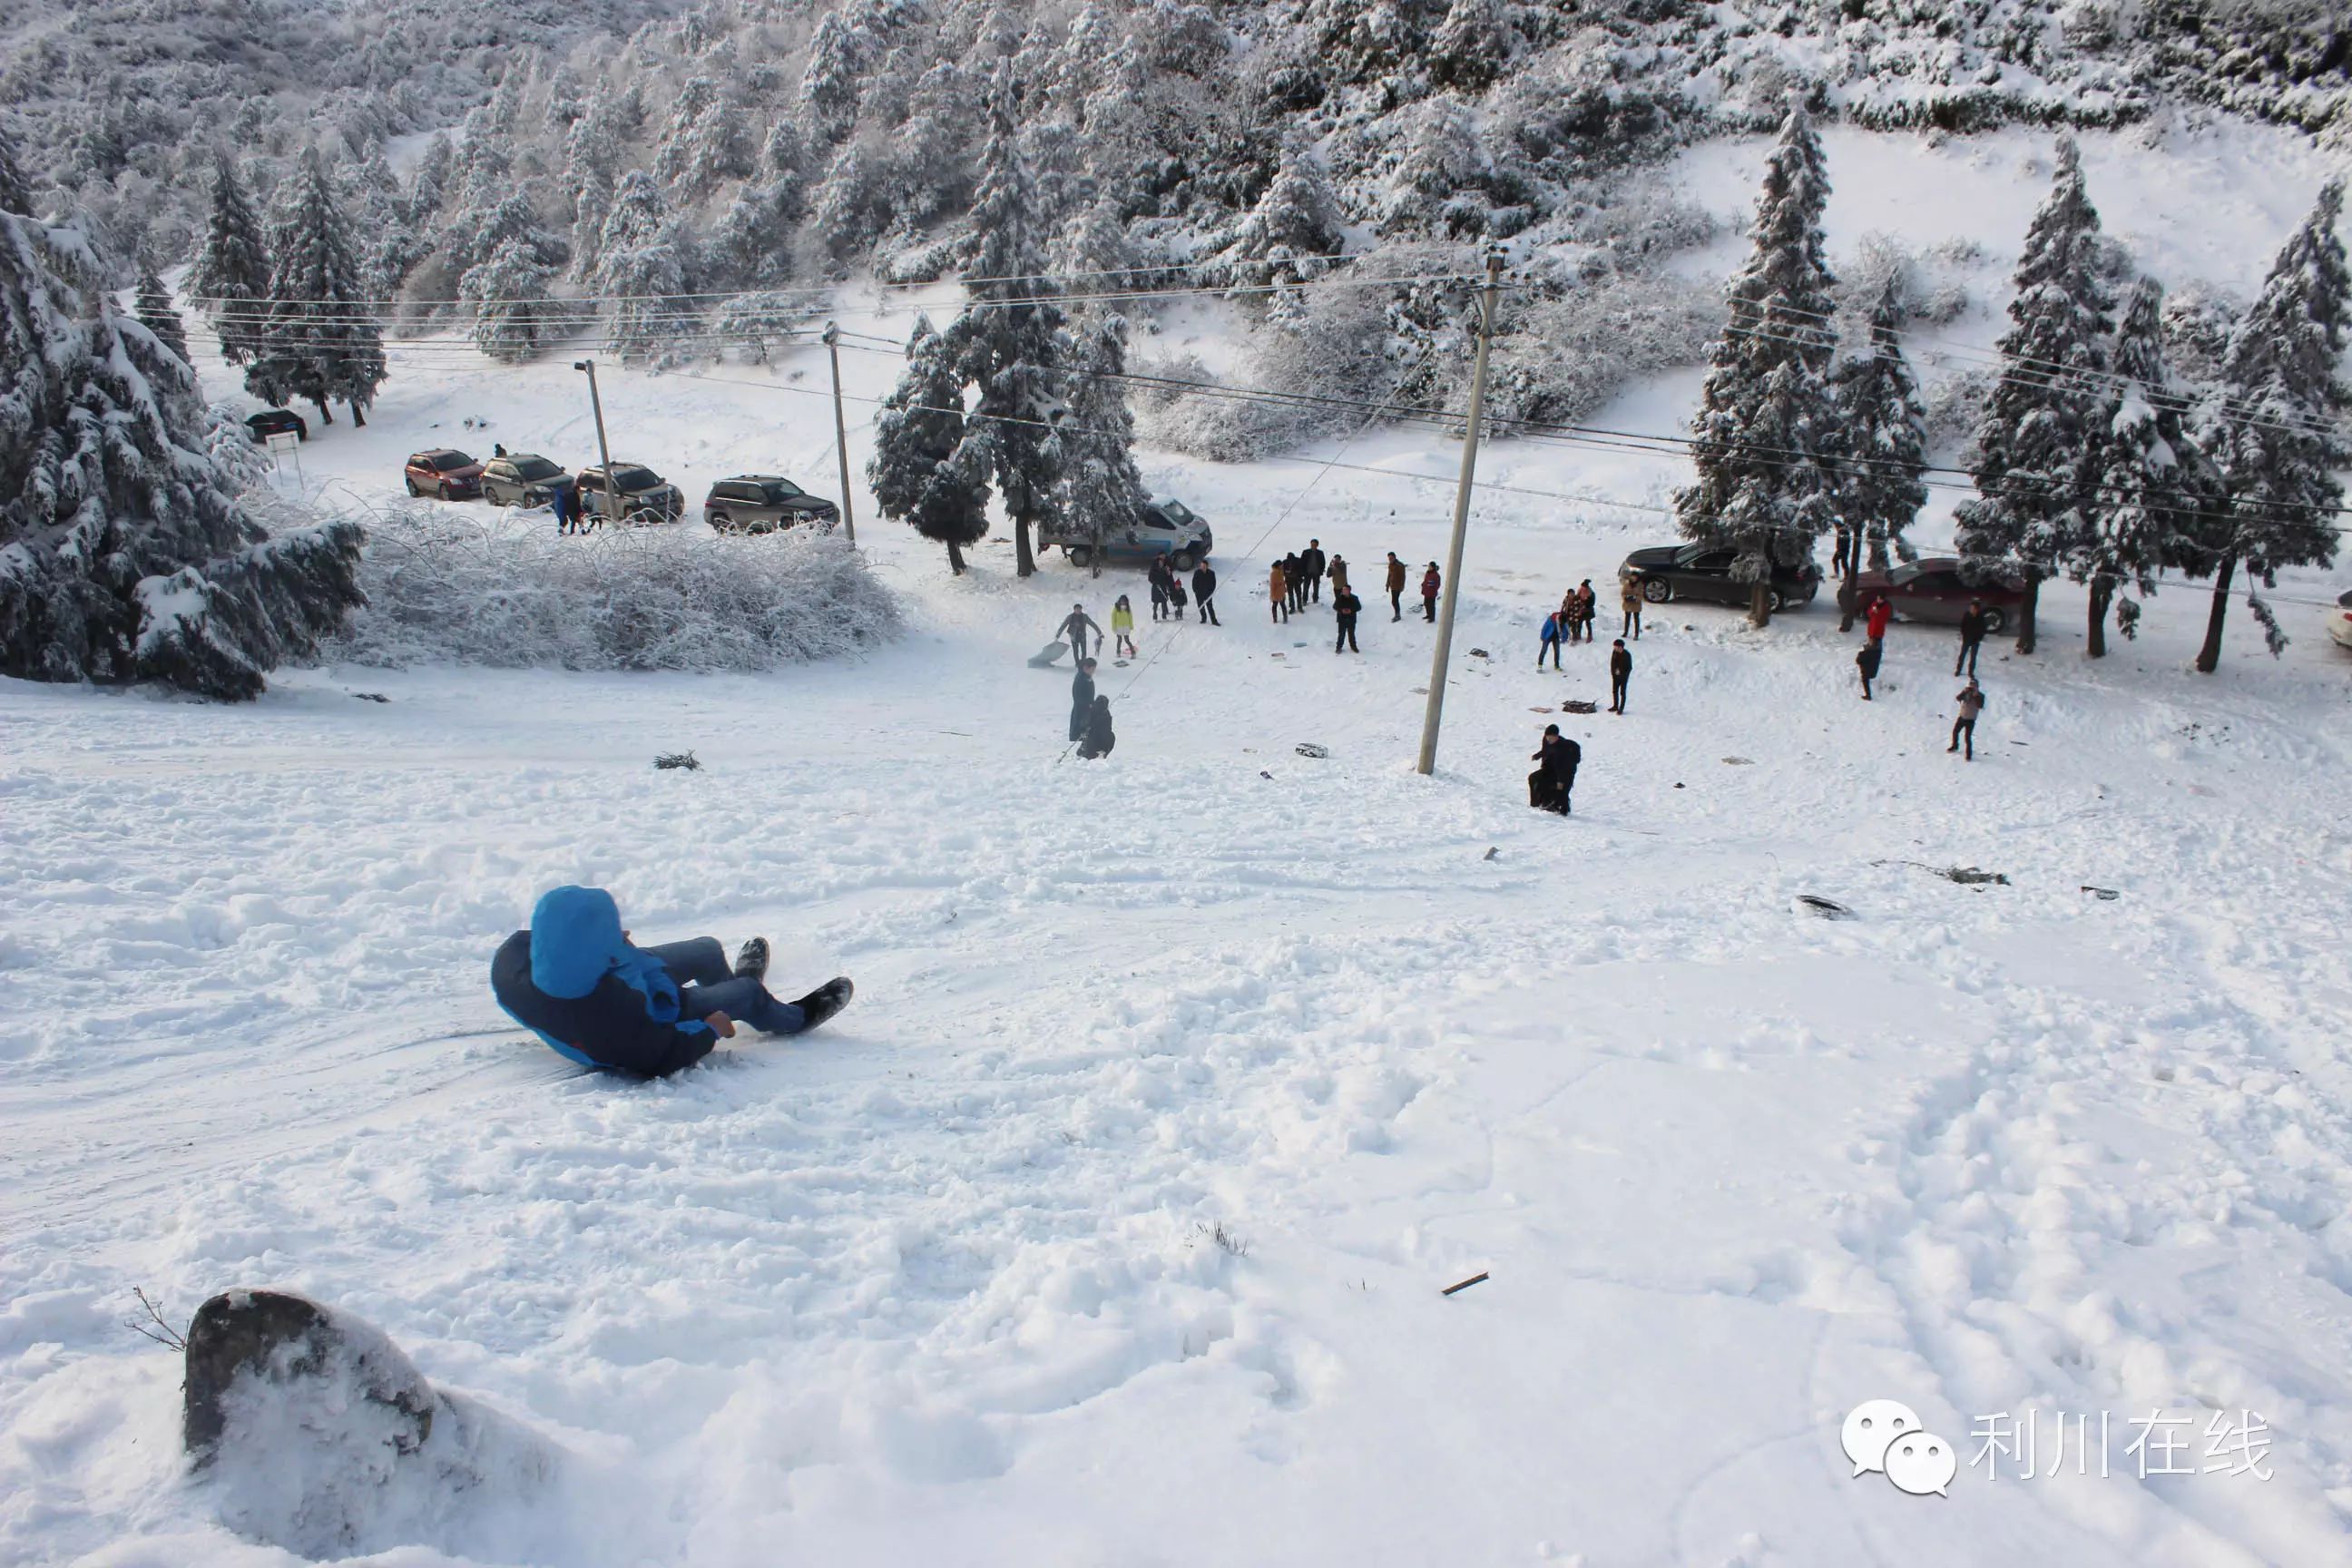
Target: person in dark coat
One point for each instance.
(1396, 586)
(1075, 627)
(1346, 606)
(1312, 561)
(1294, 578)
(1204, 590)
(1866, 661)
(1099, 739)
(1429, 588)
(1548, 785)
(1973, 636)
(574, 980)
(1621, 675)
(1161, 581)
(566, 507)
(1082, 697)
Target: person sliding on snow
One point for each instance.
(1075, 627)
(574, 980)
(1548, 785)
(1122, 625)
(1099, 739)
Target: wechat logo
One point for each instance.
(1886, 1435)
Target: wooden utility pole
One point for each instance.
(1452, 584)
(840, 430)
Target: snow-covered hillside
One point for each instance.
(1110, 1225)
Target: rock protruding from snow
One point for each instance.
(318, 1435)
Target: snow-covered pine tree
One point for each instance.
(429, 183)
(2148, 477)
(1472, 46)
(159, 315)
(1009, 337)
(703, 144)
(640, 269)
(124, 555)
(16, 190)
(753, 244)
(1099, 490)
(2275, 431)
(2035, 471)
(1765, 413)
(1295, 226)
(230, 281)
(322, 340)
(1879, 446)
(513, 315)
(593, 153)
(925, 470)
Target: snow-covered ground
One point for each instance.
(945, 1282)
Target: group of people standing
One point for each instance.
(1298, 579)
(1168, 601)
(1974, 623)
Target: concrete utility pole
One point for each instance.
(604, 452)
(840, 430)
(1453, 587)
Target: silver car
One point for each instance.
(522, 478)
(635, 494)
(762, 503)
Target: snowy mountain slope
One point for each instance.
(944, 1282)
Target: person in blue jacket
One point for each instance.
(574, 981)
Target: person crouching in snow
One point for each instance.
(1099, 739)
(574, 981)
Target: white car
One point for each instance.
(2339, 619)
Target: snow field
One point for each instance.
(943, 1282)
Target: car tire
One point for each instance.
(441, 492)
(413, 491)
(1656, 590)
(1775, 601)
(1183, 561)
(1994, 621)
(721, 522)
(1078, 555)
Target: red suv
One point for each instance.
(447, 473)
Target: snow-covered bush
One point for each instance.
(509, 591)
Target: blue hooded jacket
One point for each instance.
(574, 980)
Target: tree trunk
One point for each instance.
(1849, 596)
(1024, 560)
(1878, 557)
(359, 415)
(2102, 594)
(955, 557)
(2208, 657)
(1760, 605)
(2025, 612)
(326, 415)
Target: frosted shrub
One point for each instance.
(511, 593)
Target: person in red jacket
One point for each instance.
(1429, 585)
(1880, 612)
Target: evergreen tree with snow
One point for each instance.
(513, 313)
(230, 280)
(640, 266)
(1295, 226)
(753, 243)
(702, 143)
(1009, 339)
(2276, 431)
(429, 183)
(16, 190)
(1099, 491)
(592, 157)
(321, 341)
(2036, 472)
(1765, 412)
(124, 555)
(2150, 479)
(841, 53)
(1879, 446)
(927, 471)
(159, 315)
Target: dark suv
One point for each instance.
(1704, 571)
(522, 478)
(447, 473)
(637, 494)
(762, 503)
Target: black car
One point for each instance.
(277, 422)
(522, 478)
(762, 504)
(1704, 571)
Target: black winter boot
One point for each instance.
(752, 960)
